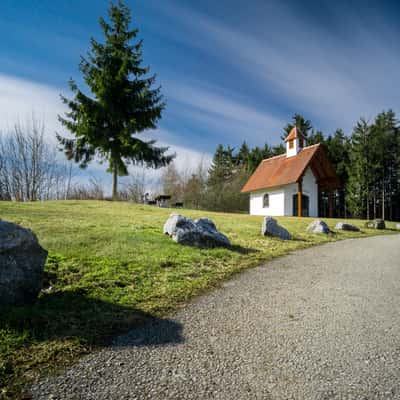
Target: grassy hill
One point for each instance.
(110, 267)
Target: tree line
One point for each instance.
(367, 162)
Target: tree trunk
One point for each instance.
(69, 178)
(383, 202)
(115, 182)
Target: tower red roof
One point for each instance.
(294, 133)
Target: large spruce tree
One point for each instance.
(122, 102)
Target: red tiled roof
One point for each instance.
(294, 133)
(280, 170)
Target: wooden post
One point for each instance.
(330, 203)
(300, 198)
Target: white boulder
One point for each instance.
(318, 226)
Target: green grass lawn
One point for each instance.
(110, 267)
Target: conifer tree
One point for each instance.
(315, 137)
(384, 132)
(243, 155)
(360, 170)
(338, 148)
(221, 169)
(122, 102)
(221, 174)
(278, 150)
(257, 154)
(299, 122)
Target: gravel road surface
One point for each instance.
(323, 323)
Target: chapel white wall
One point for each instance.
(276, 202)
(281, 198)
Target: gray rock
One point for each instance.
(176, 222)
(343, 226)
(200, 233)
(398, 227)
(206, 224)
(318, 226)
(270, 227)
(376, 224)
(22, 262)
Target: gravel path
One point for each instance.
(323, 323)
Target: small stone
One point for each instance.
(343, 226)
(270, 227)
(318, 226)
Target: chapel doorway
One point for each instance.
(305, 203)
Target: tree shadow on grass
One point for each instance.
(67, 315)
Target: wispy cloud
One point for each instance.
(223, 114)
(331, 76)
(20, 99)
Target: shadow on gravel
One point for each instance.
(155, 332)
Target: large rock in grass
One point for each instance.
(200, 233)
(343, 226)
(318, 226)
(270, 227)
(398, 227)
(22, 262)
(376, 224)
(176, 222)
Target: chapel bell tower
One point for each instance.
(295, 142)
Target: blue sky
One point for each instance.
(230, 70)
